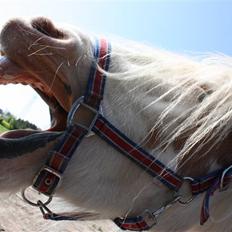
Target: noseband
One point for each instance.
(49, 177)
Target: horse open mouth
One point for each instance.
(11, 73)
(39, 54)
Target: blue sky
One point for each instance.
(190, 25)
(182, 26)
(176, 25)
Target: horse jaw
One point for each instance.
(20, 161)
(47, 58)
(89, 181)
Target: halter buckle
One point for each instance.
(223, 185)
(185, 193)
(88, 120)
(34, 203)
(149, 218)
(51, 181)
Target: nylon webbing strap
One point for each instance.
(201, 184)
(96, 83)
(137, 154)
(134, 223)
(217, 180)
(48, 179)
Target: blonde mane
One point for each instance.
(188, 95)
(177, 107)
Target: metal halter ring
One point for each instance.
(190, 179)
(221, 187)
(37, 204)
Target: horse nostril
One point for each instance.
(46, 27)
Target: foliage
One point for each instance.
(10, 122)
(2, 129)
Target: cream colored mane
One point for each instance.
(180, 94)
(175, 106)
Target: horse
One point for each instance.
(175, 107)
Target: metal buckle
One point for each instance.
(51, 171)
(30, 202)
(149, 218)
(221, 184)
(76, 106)
(186, 179)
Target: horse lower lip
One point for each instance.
(8, 69)
(14, 147)
(18, 133)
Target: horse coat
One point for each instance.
(170, 105)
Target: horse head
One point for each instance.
(170, 106)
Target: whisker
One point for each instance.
(35, 52)
(35, 42)
(28, 32)
(44, 54)
(55, 75)
(55, 47)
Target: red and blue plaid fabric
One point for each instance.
(96, 83)
(134, 223)
(149, 163)
(49, 177)
(219, 181)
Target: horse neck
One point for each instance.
(134, 101)
(127, 96)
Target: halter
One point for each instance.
(49, 177)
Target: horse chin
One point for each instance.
(13, 74)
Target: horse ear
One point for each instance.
(46, 26)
